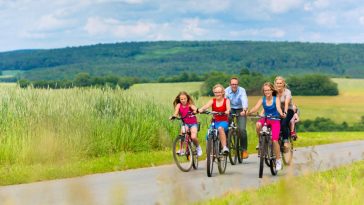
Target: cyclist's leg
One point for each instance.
(243, 133)
(275, 127)
(285, 124)
(193, 130)
(223, 129)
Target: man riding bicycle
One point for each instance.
(239, 105)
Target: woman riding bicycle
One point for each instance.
(285, 97)
(185, 108)
(220, 104)
(272, 107)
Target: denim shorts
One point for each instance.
(192, 125)
(222, 124)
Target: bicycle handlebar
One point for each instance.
(264, 116)
(189, 114)
(212, 113)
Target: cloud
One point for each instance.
(264, 32)
(118, 29)
(326, 19)
(52, 22)
(192, 29)
(282, 6)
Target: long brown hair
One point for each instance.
(189, 98)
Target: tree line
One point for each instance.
(321, 124)
(151, 60)
(306, 85)
(83, 80)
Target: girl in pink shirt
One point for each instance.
(185, 108)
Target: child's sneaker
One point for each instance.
(199, 151)
(180, 152)
(294, 135)
(225, 150)
(278, 164)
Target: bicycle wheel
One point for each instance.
(263, 153)
(182, 154)
(271, 159)
(221, 159)
(194, 156)
(287, 155)
(232, 140)
(210, 157)
(267, 160)
(239, 148)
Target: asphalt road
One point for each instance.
(168, 185)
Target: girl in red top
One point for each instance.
(185, 108)
(220, 104)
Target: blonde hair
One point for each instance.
(271, 86)
(219, 86)
(282, 79)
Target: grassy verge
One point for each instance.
(344, 185)
(20, 173)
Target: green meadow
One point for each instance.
(343, 185)
(49, 134)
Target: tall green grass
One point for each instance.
(54, 125)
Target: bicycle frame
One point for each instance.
(213, 149)
(186, 157)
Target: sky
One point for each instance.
(43, 24)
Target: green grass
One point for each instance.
(344, 185)
(48, 134)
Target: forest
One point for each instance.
(151, 60)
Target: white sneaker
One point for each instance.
(278, 164)
(180, 152)
(199, 151)
(225, 150)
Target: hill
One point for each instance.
(165, 58)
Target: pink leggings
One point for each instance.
(275, 126)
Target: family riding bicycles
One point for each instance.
(227, 137)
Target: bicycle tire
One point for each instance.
(262, 151)
(267, 160)
(238, 147)
(182, 154)
(273, 168)
(221, 159)
(287, 156)
(271, 159)
(194, 156)
(233, 154)
(210, 157)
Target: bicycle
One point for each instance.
(213, 148)
(184, 150)
(266, 150)
(234, 141)
(287, 155)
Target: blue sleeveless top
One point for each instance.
(272, 109)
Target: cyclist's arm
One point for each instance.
(261, 112)
(297, 119)
(256, 107)
(194, 108)
(244, 99)
(207, 105)
(287, 101)
(176, 111)
(228, 107)
(278, 106)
